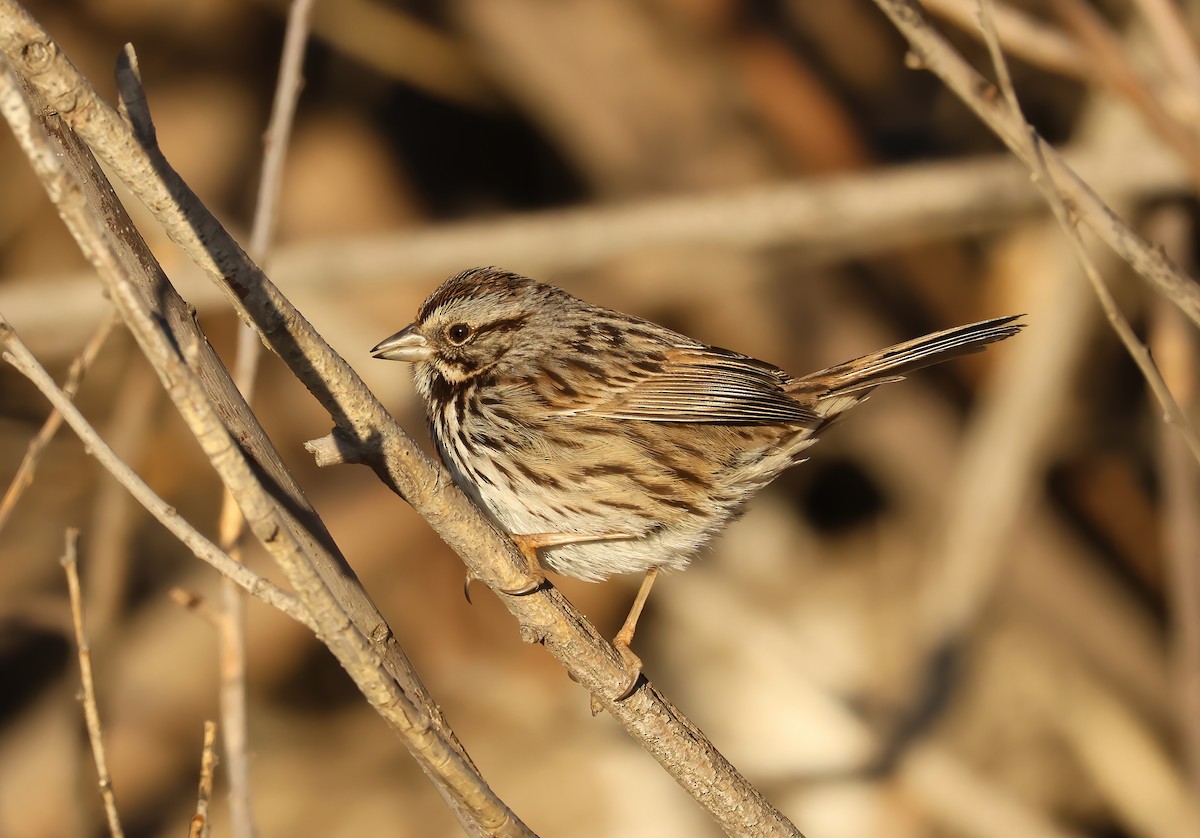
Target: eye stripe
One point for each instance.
(510, 324)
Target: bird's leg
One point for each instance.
(530, 543)
(624, 638)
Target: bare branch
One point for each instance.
(931, 51)
(200, 823)
(91, 712)
(16, 354)
(1033, 150)
(545, 616)
(23, 479)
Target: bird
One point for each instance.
(603, 443)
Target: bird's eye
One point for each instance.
(458, 333)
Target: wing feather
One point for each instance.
(704, 385)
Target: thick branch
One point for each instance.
(135, 281)
(545, 616)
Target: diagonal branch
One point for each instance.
(174, 344)
(545, 616)
(1033, 149)
(931, 51)
(15, 353)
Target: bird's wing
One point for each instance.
(699, 384)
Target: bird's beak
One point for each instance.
(406, 345)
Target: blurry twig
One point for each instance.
(115, 516)
(199, 826)
(1032, 150)
(822, 220)
(231, 629)
(1176, 39)
(396, 43)
(1111, 65)
(545, 616)
(930, 50)
(1123, 757)
(91, 713)
(16, 354)
(1176, 349)
(230, 436)
(23, 479)
(1023, 35)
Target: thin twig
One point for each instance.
(1175, 347)
(15, 353)
(91, 712)
(1111, 66)
(545, 616)
(1034, 151)
(231, 629)
(1177, 42)
(280, 516)
(199, 826)
(23, 479)
(1022, 35)
(930, 50)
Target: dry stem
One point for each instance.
(1033, 149)
(23, 479)
(545, 616)
(91, 712)
(199, 826)
(931, 51)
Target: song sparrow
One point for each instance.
(605, 443)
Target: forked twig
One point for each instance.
(16, 354)
(23, 479)
(931, 51)
(91, 712)
(1033, 152)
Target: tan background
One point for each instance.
(1011, 506)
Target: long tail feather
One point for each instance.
(835, 389)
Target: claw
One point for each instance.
(623, 640)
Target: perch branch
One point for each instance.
(95, 219)
(545, 616)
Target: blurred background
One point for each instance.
(972, 613)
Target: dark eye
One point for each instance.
(458, 333)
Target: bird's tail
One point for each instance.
(836, 389)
